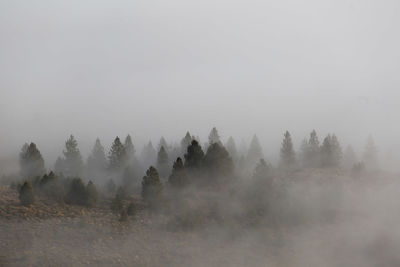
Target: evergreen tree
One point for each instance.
(262, 172)
(312, 155)
(231, 148)
(97, 161)
(162, 162)
(92, 194)
(186, 141)
(178, 177)
(218, 162)
(331, 152)
(163, 143)
(151, 187)
(129, 149)
(31, 162)
(149, 155)
(370, 156)
(117, 155)
(213, 137)
(72, 158)
(194, 156)
(52, 187)
(26, 194)
(287, 152)
(254, 153)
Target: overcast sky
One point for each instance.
(156, 67)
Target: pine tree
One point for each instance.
(194, 156)
(26, 194)
(97, 161)
(129, 149)
(186, 141)
(162, 162)
(231, 148)
(52, 187)
(262, 172)
(31, 162)
(92, 194)
(370, 156)
(218, 162)
(178, 177)
(254, 153)
(72, 158)
(149, 155)
(117, 155)
(288, 157)
(312, 155)
(213, 137)
(151, 187)
(163, 143)
(331, 152)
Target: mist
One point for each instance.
(99, 99)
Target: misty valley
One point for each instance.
(191, 204)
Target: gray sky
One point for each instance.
(155, 67)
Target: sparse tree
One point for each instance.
(31, 162)
(288, 156)
(26, 194)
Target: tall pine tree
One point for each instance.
(288, 156)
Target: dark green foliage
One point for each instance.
(217, 161)
(131, 210)
(194, 156)
(31, 162)
(117, 155)
(92, 194)
(76, 194)
(129, 149)
(116, 204)
(151, 187)
(288, 157)
(26, 194)
(178, 177)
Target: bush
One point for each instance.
(77, 194)
(151, 187)
(51, 186)
(26, 194)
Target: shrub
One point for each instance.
(77, 194)
(116, 204)
(26, 194)
(92, 194)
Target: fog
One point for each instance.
(152, 69)
(100, 68)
